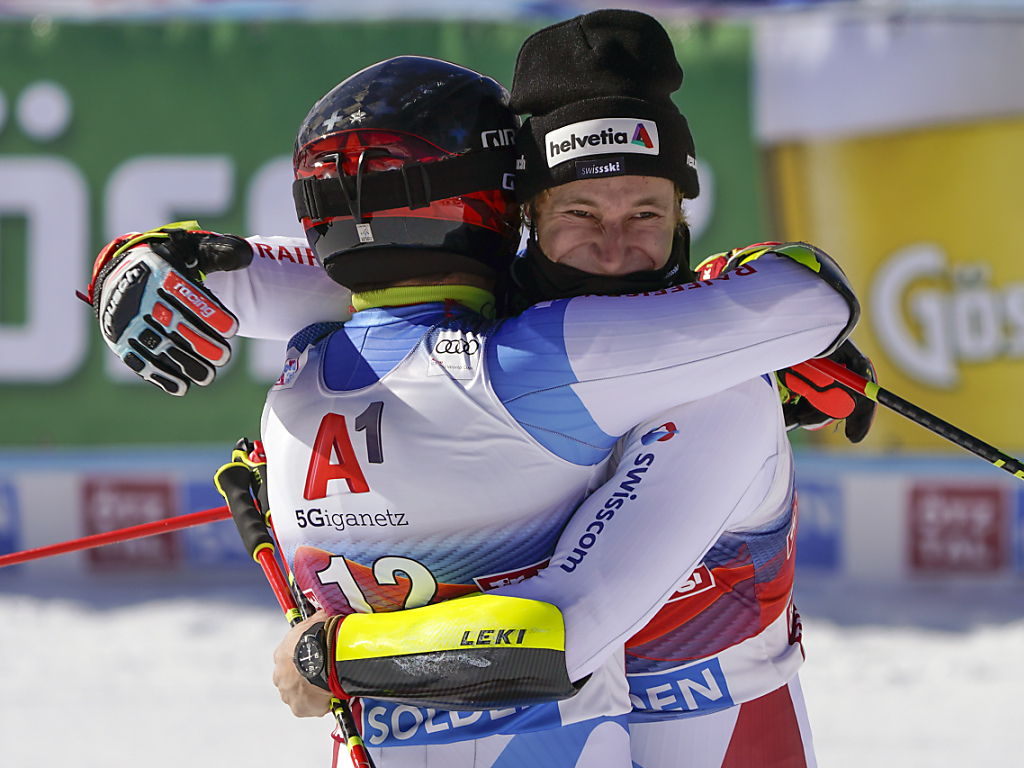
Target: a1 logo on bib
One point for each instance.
(455, 354)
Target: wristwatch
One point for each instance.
(311, 656)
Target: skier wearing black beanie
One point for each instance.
(605, 159)
(597, 91)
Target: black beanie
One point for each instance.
(598, 88)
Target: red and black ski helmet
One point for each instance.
(406, 169)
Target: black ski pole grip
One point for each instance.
(232, 480)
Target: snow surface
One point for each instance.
(122, 672)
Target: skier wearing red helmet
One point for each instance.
(448, 390)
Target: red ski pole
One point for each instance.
(234, 483)
(916, 414)
(121, 534)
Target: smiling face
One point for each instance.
(612, 226)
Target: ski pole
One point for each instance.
(121, 534)
(234, 483)
(918, 415)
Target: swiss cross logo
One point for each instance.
(957, 529)
(111, 504)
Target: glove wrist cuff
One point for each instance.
(330, 644)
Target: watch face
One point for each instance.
(309, 656)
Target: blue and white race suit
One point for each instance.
(551, 391)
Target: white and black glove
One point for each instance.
(153, 312)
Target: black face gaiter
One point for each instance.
(537, 278)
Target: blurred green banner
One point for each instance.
(110, 128)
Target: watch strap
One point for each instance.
(320, 680)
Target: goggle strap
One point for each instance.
(414, 185)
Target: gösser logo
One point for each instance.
(601, 137)
(457, 347)
(955, 315)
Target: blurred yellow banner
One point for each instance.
(928, 225)
(917, 188)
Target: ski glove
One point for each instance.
(153, 312)
(810, 399)
(813, 400)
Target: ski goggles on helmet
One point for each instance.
(363, 188)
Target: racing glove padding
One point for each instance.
(813, 400)
(153, 312)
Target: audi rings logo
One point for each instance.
(457, 347)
